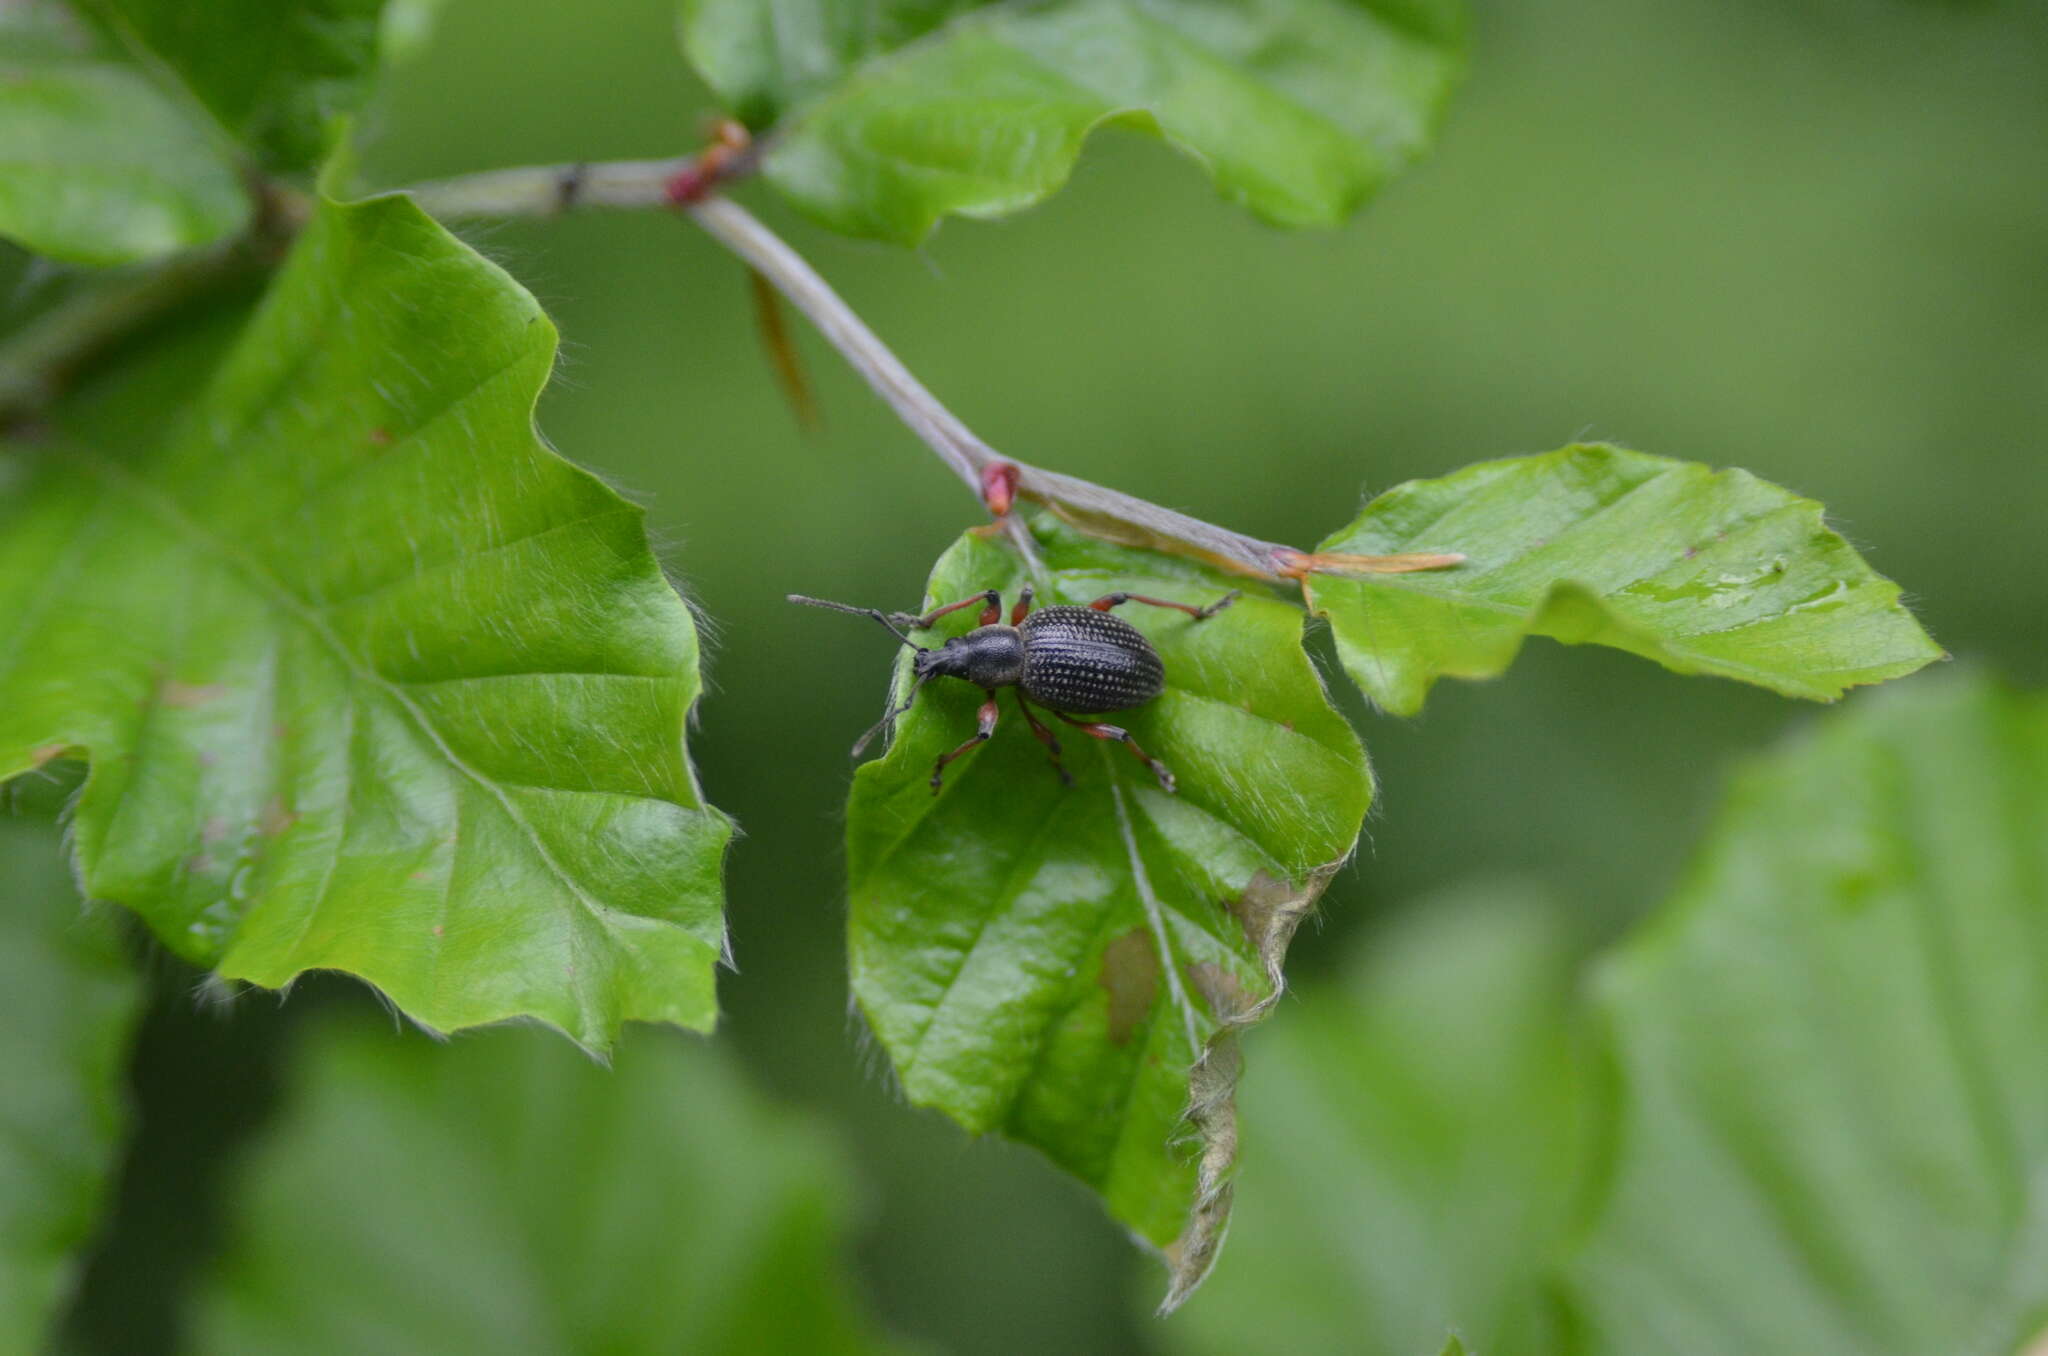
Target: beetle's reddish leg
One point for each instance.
(991, 610)
(1104, 731)
(1045, 737)
(988, 727)
(1110, 600)
(1023, 606)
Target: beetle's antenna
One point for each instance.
(858, 612)
(861, 744)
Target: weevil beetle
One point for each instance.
(1073, 661)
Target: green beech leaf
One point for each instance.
(271, 72)
(1703, 571)
(503, 1195)
(1830, 1129)
(1066, 966)
(1413, 1132)
(97, 166)
(369, 678)
(68, 1000)
(894, 114)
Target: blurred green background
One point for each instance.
(1807, 238)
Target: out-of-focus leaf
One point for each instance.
(503, 1194)
(892, 115)
(97, 166)
(1830, 1130)
(405, 28)
(273, 72)
(1059, 964)
(369, 678)
(67, 1002)
(1703, 571)
(1413, 1133)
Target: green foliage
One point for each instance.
(893, 114)
(1822, 1126)
(502, 1194)
(370, 679)
(67, 1001)
(271, 72)
(1056, 963)
(1413, 1133)
(1830, 1129)
(97, 166)
(1702, 571)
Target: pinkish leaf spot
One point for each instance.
(173, 693)
(273, 819)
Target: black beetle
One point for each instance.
(1070, 660)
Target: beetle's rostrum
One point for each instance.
(1073, 661)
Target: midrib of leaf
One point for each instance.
(1675, 644)
(282, 599)
(1021, 875)
(1155, 918)
(1535, 610)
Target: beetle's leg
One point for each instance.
(1110, 600)
(888, 718)
(1023, 606)
(991, 611)
(988, 727)
(1045, 737)
(1105, 731)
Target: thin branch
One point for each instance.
(547, 190)
(550, 189)
(1125, 517)
(34, 362)
(687, 184)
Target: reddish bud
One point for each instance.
(999, 486)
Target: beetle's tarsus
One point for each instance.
(980, 737)
(1104, 730)
(1212, 609)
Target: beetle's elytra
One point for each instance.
(1071, 660)
(1083, 661)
